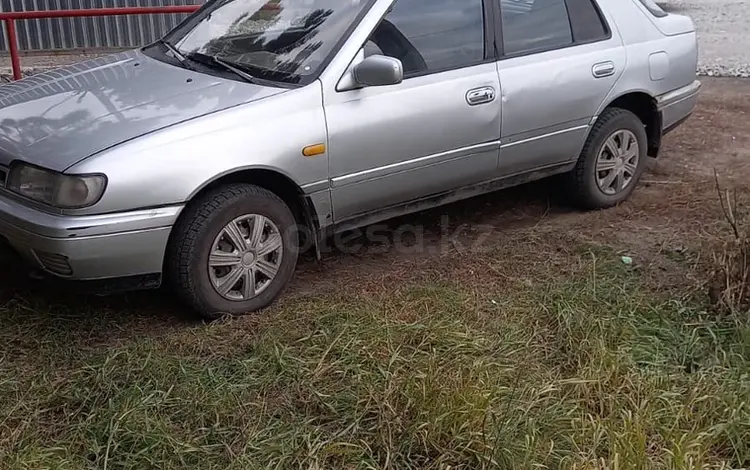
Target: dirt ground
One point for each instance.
(673, 210)
(669, 217)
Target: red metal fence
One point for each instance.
(10, 22)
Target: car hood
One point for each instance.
(58, 118)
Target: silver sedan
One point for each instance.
(253, 130)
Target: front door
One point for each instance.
(437, 130)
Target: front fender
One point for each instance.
(172, 165)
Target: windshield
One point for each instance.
(282, 40)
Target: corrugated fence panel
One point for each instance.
(90, 32)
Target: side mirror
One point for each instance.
(378, 70)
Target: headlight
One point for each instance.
(56, 189)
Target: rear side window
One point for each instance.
(431, 35)
(534, 25)
(586, 21)
(539, 25)
(654, 8)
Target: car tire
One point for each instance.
(229, 236)
(609, 167)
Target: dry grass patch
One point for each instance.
(588, 370)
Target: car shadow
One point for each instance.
(54, 308)
(50, 311)
(463, 222)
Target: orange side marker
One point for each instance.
(312, 150)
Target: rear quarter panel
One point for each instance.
(656, 63)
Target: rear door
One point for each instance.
(559, 61)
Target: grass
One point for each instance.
(587, 371)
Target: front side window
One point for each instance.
(285, 40)
(534, 25)
(431, 35)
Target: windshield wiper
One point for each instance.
(213, 60)
(249, 78)
(176, 53)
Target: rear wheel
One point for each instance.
(611, 162)
(233, 252)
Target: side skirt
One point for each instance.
(447, 197)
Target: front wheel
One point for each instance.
(233, 251)
(611, 162)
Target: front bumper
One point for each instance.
(88, 247)
(677, 105)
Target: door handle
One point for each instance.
(480, 96)
(603, 69)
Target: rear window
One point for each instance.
(654, 8)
